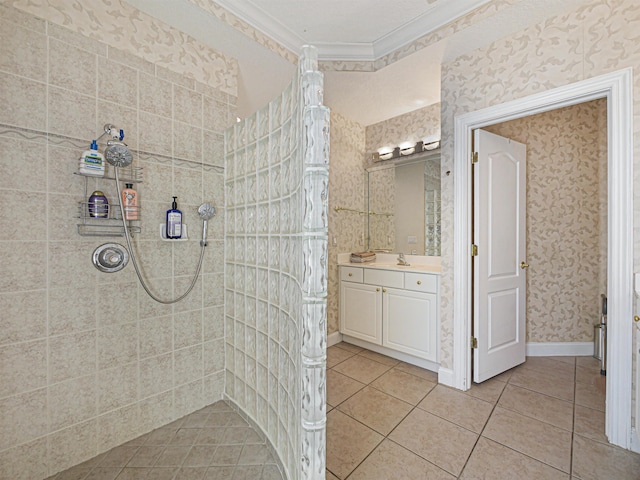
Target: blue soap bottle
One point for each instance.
(174, 221)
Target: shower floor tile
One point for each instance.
(212, 443)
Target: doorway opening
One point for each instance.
(540, 221)
(616, 87)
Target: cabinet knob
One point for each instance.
(377, 289)
(351, 274)
(384, 290)
(419, 282)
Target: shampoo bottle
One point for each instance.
(98, 205)
(130, 202)
(92, 161)
(174, 221)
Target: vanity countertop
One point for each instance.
(388, 261)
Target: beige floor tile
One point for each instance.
(588, 375)
(453, 405)
(349, 347)
(570, 360)
(550, 365)
(118, 456)
(590, 423)
(536, 405)
(348, 443)
(392, 362)
(390, 461)
(489, 390)
(336, 355)
(504, 376)
(418, 371)
(403, 385)
(591, 395)
(590, 363)
(559, 371)
(440, 442)
(193, 473)
(493, 461)
(340, 387)
(330, 476)
(361, 369)
(103, 473)
(596, 461)
(543, 442)
(376, 409)
(547, 384)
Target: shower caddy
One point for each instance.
(112, 225)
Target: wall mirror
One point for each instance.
(403, 204)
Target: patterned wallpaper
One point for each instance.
(346, 184)
(421, 124)
(590, 41)
(564, 229)
(121, 26)
(256, 35)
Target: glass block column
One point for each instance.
(276, 181)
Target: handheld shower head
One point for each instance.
(118, 155)
(206, 212)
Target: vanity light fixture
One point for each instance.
(404, 150)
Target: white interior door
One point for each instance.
(499, 269)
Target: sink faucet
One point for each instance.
(402, 260)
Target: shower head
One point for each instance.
(206, 212)
(117, 154)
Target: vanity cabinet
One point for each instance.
(393, 309)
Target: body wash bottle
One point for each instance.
(174, 221)
(130, 202)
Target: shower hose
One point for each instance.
(135, 263)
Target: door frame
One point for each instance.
(617, 88)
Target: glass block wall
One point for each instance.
(276, 181)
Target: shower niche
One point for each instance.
(109, 221)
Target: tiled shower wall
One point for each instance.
(87, 360)
(276, 183)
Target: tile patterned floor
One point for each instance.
(214, 443)
(390, 420)
(542, 420)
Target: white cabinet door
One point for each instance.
(409, 322)
(361, 311)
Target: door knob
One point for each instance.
(524, 265)
(636, 318)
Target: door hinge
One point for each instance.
(474, 157)
(474, 250)
(474, 342)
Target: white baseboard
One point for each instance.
(559, 349)
(445, 376)
(333, 338)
